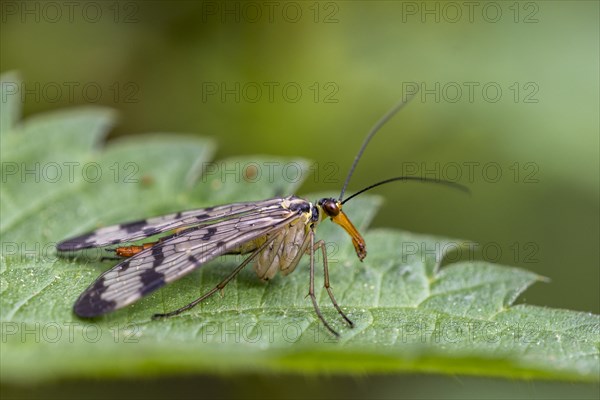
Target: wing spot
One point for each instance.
(159, 256)
(209, 233)
(133, 226)
(125, 266)
(91, 304)
(150, 231)
(151, 280)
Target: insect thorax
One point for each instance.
(288, 243)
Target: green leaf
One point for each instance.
(10, 110)
(59, 179)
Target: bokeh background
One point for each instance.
(508, 105)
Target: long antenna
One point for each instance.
(450, 184)
(372, 133)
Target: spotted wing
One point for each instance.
(136, 230)
(175, 257)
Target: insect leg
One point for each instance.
(311, 286)
(219, 286)
(321, 244)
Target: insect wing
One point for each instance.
(136, 230)
(175, 257)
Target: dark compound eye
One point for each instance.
(330, 207)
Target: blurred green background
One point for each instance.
(509, 105)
